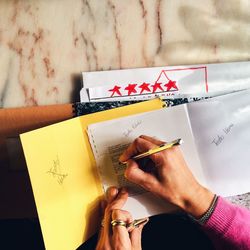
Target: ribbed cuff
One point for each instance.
(222, 217)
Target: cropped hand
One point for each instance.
(170, 179)
(118, 237)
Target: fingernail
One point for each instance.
(121, 158)
(114, 191)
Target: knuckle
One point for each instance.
(137, 141)
(116, 213)
(127, 214)
(110, 208)
(148, 185)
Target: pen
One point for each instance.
(157, 149)
(136, 223)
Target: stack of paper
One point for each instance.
(216, 146)
(170, 82)
(73, 162)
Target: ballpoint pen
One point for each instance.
(157, 149)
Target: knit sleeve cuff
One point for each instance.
(222, 216)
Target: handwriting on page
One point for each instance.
(56, 172)
(114, 152)
(220, 138)
(133, 127)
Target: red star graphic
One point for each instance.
(157, 86)
(115, 90)
(144, 87)
(171, 85)
(131, 88)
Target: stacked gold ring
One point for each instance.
(118, 223)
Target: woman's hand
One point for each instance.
(171, 179)
(117, 237)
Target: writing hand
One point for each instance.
(171, 179)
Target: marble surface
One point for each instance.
(45, 44)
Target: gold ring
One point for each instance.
(115, 223)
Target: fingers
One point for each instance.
(122, 215)
(134, 174)
(136, 147)
(152, 139)
(120, 237)
(111, 194)
(135, 237)
(140, 145)
(115, 202)
(115, 199)
(120, 199)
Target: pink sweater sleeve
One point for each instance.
(229, 226)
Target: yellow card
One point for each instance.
(64, 178)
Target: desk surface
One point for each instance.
(45, 44)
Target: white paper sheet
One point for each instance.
(167, 124)
(173, 82)
(221, 127)
(216, 135)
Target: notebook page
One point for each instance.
(221, 127)
(109, 139)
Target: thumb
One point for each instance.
(136, 175)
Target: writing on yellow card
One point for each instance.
(56, 172)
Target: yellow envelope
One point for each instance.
(64, 178)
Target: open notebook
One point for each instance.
(216, 138)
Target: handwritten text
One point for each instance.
(55, 171)
(132, 128)
(220, 138)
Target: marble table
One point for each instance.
(44, 45)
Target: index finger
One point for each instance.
(139, 145)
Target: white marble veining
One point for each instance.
(45, 43)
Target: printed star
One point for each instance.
(171, 85)
(144, 87)
(157, 86)
(115, 90)
(131, 88)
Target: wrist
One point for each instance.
(206, 216)
(198, 202)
